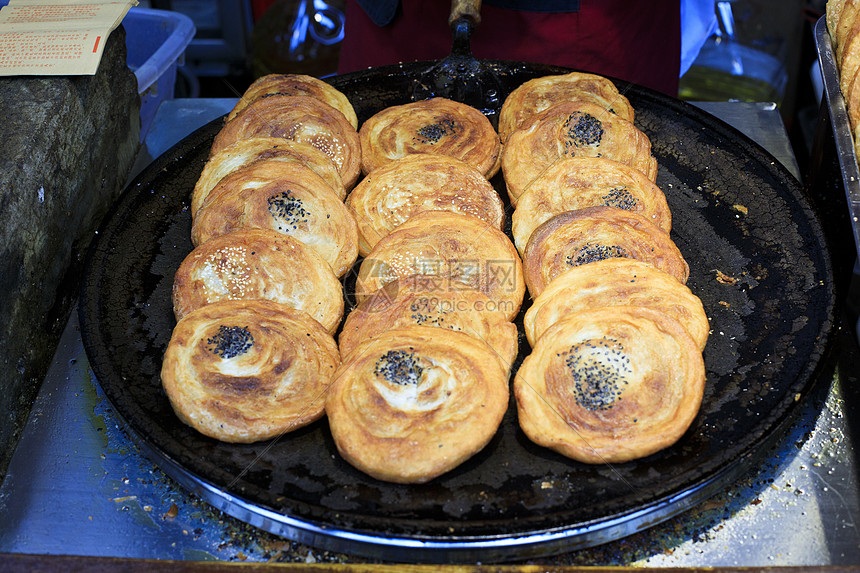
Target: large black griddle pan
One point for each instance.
(757, 259)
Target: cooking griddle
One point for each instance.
(757, 260)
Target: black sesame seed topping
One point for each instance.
(598, 368)
(592, 252)
(582, 129)
(433, 132)
(620, 198)
(231, 341)
(289, 209)
(399, 367)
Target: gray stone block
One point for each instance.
(68, 144)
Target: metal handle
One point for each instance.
(465, 9)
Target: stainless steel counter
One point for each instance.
(78, 486)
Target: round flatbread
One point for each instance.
(573, 183)
(283, 197)
(393, 193)
(416, 402)
(573, 129)
(452, 251)
(245, 371)
(438, 125)
(539, 94)
(413, 301)
(616, 282)
(259, 264)
(610, 385)
(247, 151)
(298, 118)
(581, 237)
(295, 85)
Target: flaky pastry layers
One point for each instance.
(437, 125)
(295, 85)
(833, 10)
(581, 237)
(610, 385)
(284, 197)
(452, 251)
(245, 371)
(413, 300)
(416, 402)
(616, 282)
(247, 151)
(259, 264)
(573, 129)
(841, 17)
(298, 118)
(392, 193)
(538, 94)
(573, 183)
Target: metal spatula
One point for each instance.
(460, 76)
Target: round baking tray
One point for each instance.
(757, 260)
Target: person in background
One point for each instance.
(647, 42)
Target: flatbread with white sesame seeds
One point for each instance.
(452, 250)
(394, 192)
(259, 264)
(298, 118)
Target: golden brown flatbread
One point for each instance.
(298, 118)
(573, 183)
(833, 9)
(247, 151)
(250, 370)
(284, 197)
(616, 282)
(295, 85)
(259, 264)
(539, 94)
(572, 129)
(610, 385)
(392, 193)
(453, 251)
(581, 237)
(413, 300)
(416, 402)
(438, 125)
(847, 17)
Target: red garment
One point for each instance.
(634, 40)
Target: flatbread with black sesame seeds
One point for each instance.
(285, 197)
(243, 371)
(610, 385)
(414, 403)
(572, 129)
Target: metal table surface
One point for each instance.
(77, 485)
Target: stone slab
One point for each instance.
(68, 144)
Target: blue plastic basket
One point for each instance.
(156, 42)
